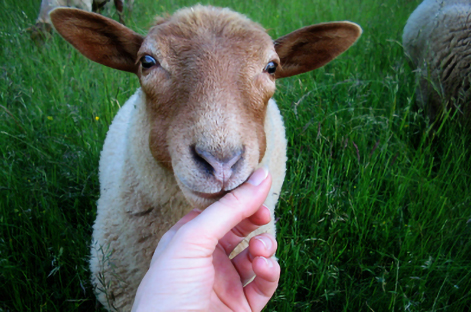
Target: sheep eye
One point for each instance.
(270, 68)
(148, 61)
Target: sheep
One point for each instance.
(437, 38)
(202, 121)
(43, 28)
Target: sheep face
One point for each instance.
(208, 74)
(207, 88)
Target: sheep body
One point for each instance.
(437, 37)
(49, 5)
(152, 200)
(87, 5)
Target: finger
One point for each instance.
(244, 228)
(263, 245)
(262, 288)
(167, 237)
(205, 231)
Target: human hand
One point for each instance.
(191, 269)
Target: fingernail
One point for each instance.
(258, 176)
(266, 242)
(269, 264)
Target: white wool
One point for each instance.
(140, 200)
(437, 37)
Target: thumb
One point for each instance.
(219, 218)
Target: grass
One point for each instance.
(375, 209)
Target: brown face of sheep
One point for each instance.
(207, 96)
(208, 75)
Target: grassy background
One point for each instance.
(375, 210)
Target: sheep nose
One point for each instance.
(221, 167)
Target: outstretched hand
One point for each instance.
(191, 268)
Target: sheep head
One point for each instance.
(208, 74)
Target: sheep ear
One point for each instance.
(314, 46)
(99, 38)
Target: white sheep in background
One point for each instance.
(201, 123)
(437, 37)
(43, 26)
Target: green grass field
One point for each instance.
(375, 212)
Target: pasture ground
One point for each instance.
(375, 211)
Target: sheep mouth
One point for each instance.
(218, 195)
(210, 195)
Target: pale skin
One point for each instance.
(191, 269)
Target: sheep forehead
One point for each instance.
(201, 29)
(187, 21)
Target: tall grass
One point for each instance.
(375, 210)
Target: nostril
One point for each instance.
(234, 160)
(200, 161)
